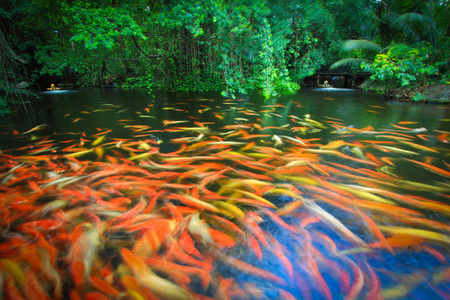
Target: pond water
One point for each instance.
(325, 194)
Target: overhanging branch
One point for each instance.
(142, 50)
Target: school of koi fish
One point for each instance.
(241, 212)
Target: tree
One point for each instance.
(420, 30)
(10, 95)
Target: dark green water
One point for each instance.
(354, 107)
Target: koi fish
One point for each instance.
(247, 268)
(39, 127)
(398, 150)
(334, 145)
(444, 138)
(82, 254)
(419, 233)
(431, 168)
(159, 286)
(168, 122)
(199, 228)
(335, 223)
(278, 141)
(294, 140)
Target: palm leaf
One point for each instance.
(414, 25)
(350, 45)
(352, 62)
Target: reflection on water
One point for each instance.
(331, 193)
(332, 89)
(52, 92)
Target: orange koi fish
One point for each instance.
(168, 122)
(82, 255)
(374, 158)
(289, 207)
(39, 127)
(187, 244)
(159, 286)
(334, 144)
(33, 288)
(423, 137)
(278, 220)
(103, 286)
(221, 239)
(181, 274)
(444, 137)
(309, 220)
(387, 160)
(279, 250)
(431, 168)
(358, 282)
(254, 271)
(139, 207)
(376, 231)
(406, 122)
(254, 245)
(193, 202)
(398, 241)
(436, 254)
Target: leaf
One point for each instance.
(352, 62)
(351, 45)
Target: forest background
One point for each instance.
(231, 46)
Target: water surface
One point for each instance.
(329, 193)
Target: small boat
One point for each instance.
(325, 84)
(53, 87)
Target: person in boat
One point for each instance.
(53, 87)
(325, 83)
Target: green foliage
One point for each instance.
(4, 109)
(418, 97)
(198, 83)
(361, 51)
(52, 61)
(352, 45)
(314, 41)
(233, 46)
(445, 79)
(402, 66)
(138, 82)
(101, 27)
(188, 45)
(355, 19)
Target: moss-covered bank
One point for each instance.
(437, 93)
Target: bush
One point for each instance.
(402, 66)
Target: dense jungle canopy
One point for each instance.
(226, 45)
